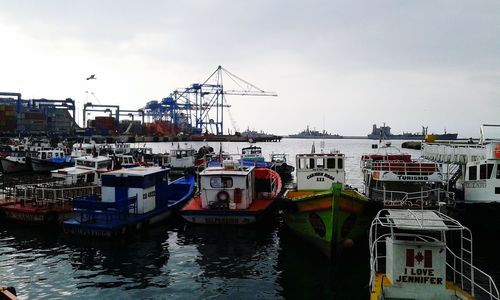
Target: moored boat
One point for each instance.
(394, 179)
(48, 160)
(233, 194)
(252, 156)
(131, 200)
(412, 257)
(44, 203)
(280, 164)
(321, 209)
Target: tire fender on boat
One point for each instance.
(223, 196)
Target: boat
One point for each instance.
(394, 179)
(182, 159)
(322, 209)
(314, 134)
(8, 293)
(384, 132)
(131, 199)
(424, 254)
(15, 162)
(280, 165)
(48, 203)
(87, 169)
(252, 156)
(233, 194)
(474, 170)
(48, 160)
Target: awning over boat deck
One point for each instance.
(418, 220)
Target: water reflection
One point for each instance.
(134, 262)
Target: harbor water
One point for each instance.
(183, 261)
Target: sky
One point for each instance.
(339, 66)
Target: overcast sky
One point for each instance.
(337, 65)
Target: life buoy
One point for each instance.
(223, 196)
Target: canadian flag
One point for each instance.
(419, 259)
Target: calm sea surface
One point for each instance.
(183, 261)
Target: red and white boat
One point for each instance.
(233, 194)
(397, 180)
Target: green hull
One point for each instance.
(328, 219)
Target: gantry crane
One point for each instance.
(202, 105)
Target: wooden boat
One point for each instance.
(131, 199)
(44, 203)
(321, 209)
(396, 180)
(411, 258)
(233, 194)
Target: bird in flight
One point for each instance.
(91, 77)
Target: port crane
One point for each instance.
(201, 105)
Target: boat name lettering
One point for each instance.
(412, 177)
(475, 184)
(149, 195)
(424, 276)
(320, 174)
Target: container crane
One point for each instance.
(202, 104)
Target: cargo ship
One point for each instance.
(314, 134)
(384, 132)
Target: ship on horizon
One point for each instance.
(384, 132)
(314, 134)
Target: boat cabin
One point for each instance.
(84, 149)
(230, 186)
(411, 259)
(279, 158)
(87, 169)
(317, 171)
(48, 154)
(252, 153)
(482, 177)
(140, 186)
(182, 158)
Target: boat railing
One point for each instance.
(419, 199)
(470, 278)
(453, 153)
(403, 167)
(91, 208)
(53, 192)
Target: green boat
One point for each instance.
(322, 210)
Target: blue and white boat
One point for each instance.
(131, 199)
(252, 157)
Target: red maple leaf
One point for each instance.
(419, 257)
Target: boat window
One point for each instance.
(221, 182)
(302, 163)
(49, 155)
(340, 163)
(489, 171)
(103, 164)
(320, 163)
(311, 163)
(330, 163)
(482, 171)
(498, 171)
(44, 155)
(473, 173)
